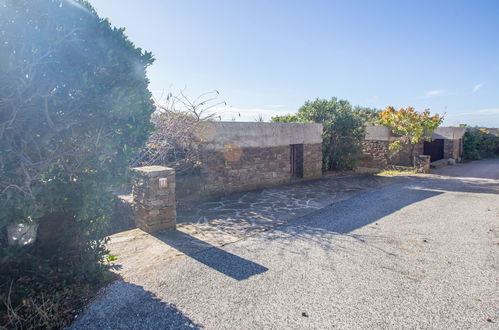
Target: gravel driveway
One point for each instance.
(418, 254)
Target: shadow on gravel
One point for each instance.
(346, 216)
(129, 306)
(341, 218)
(478, 169)
(462, 184)
(220, 260)
(367, 214)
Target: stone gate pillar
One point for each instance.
(154, 198)
(423, 164)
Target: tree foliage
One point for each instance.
(368, 115)
(479, 142)
(413, 127)
(74, 109)
(343, 129)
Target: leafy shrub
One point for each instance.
(74, 109)
(343, 129)
(480, 143)
(369, 116)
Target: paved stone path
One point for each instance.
(247, 213)
(225, 220)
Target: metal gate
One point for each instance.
(434, 149)
(296, 161)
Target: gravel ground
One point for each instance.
(225, 220)
(420, 254)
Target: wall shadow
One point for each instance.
(460, 184)
(128, 306)
(367, 208)
(340, 218)
(480, 169)
(220, 260)
(334, 227)
(346, 216)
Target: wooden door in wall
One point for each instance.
(296, 161)
(434, 149)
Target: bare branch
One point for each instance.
(174, 142)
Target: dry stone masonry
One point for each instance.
(154, 198)
(312, 162)
(447, 144)
(453, 148)
(239, 156)
(423, 164)
(374, 154)
(234, 157)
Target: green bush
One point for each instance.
(480, 143)
(343, 129)
(369, 116)
(74, 109)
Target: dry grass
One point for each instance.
(390, 173)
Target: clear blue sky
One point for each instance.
(268, 57)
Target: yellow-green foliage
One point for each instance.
(413, 127)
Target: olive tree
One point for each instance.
(343, 130)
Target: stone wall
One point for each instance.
(376, 154)
(403, 157)
(423, 163)
(216, 135)
(453, 139)
(448, 133)
(452, 148)
(238, 169)
(377, 133)
(312, 162)
(244, 156)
